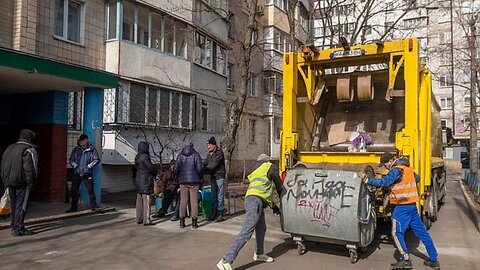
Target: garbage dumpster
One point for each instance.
(328, 206)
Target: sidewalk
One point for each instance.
(40, 212)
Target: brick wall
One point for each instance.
(52, 145)
(117, 178)
(91, 53)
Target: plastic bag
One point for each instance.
(5, 204)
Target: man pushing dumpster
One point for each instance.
(259, 196)
(401, 179)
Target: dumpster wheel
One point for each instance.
(301, 248)
(353, 255)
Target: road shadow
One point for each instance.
(276, 252)
(463, 206)
(56, 225)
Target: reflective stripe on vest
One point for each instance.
(260, 185)
(404, 191)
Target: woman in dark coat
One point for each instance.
(144, 172)
(168, 188)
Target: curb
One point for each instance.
(33, 221)
(471, 205)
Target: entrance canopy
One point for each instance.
(25, 73)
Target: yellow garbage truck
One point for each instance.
(342, 109)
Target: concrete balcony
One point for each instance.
(272, 105)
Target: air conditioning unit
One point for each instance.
(259, 10)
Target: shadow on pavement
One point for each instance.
(51, 226)
(276, 252)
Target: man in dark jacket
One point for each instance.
(215, 164)
(19, 174)
(144, 173)
(83, 158)
(188, 170)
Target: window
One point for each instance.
(467, 76)
(252, 127)
(466, 121)
(75, 106)
(152, 105)
(446, 81)
(151, 28)
(281, 4)
(446, 103)
(69, 20)
(156, 31)
(210, 54)
(230, 76)
(164, 108)
(181, 39)
(254, 37)
(275, 38)
(137, 103)
(128, 21)
(204, 114)
(304, 18)
(168, 34)
(273, 82)
(368, 29)
(142, 26)
(112, 19)
(444, 123)
(466, 101)
(252, 85)
(147, 105)
(445, 38)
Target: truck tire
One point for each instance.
(427, 222)
(433, 211)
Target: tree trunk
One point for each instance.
(473, 98)
(235, 108)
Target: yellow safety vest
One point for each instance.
(260, 185)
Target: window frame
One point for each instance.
(64, 36)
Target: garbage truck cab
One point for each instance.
(342, 109)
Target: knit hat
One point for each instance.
(212, 141)
(385, 158)
(28, 135)
(263, 158)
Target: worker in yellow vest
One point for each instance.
(401, 180)
(259, 196)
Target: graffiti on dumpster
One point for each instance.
(318, 189)
(323, 211)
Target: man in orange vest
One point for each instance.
(402, 182)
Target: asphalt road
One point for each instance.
(115, 241)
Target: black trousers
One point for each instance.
(76, 181)
(18, 204)
(168, 197)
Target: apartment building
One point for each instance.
(52, 57)
(171, 57)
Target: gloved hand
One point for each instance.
(276, 209)
(363, 176)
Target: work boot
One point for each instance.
(24, 233)
(194, 223)
(71, 210)
(174, 218)
(182, 223)
(402, 265)
(224, 265)
(213, 216)
(262, 258)
(220, 218)
(432, 264)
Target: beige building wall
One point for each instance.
(6, 23)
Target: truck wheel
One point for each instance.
(434, 201)
(301, 249)
(353, 256)
(427, 222)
